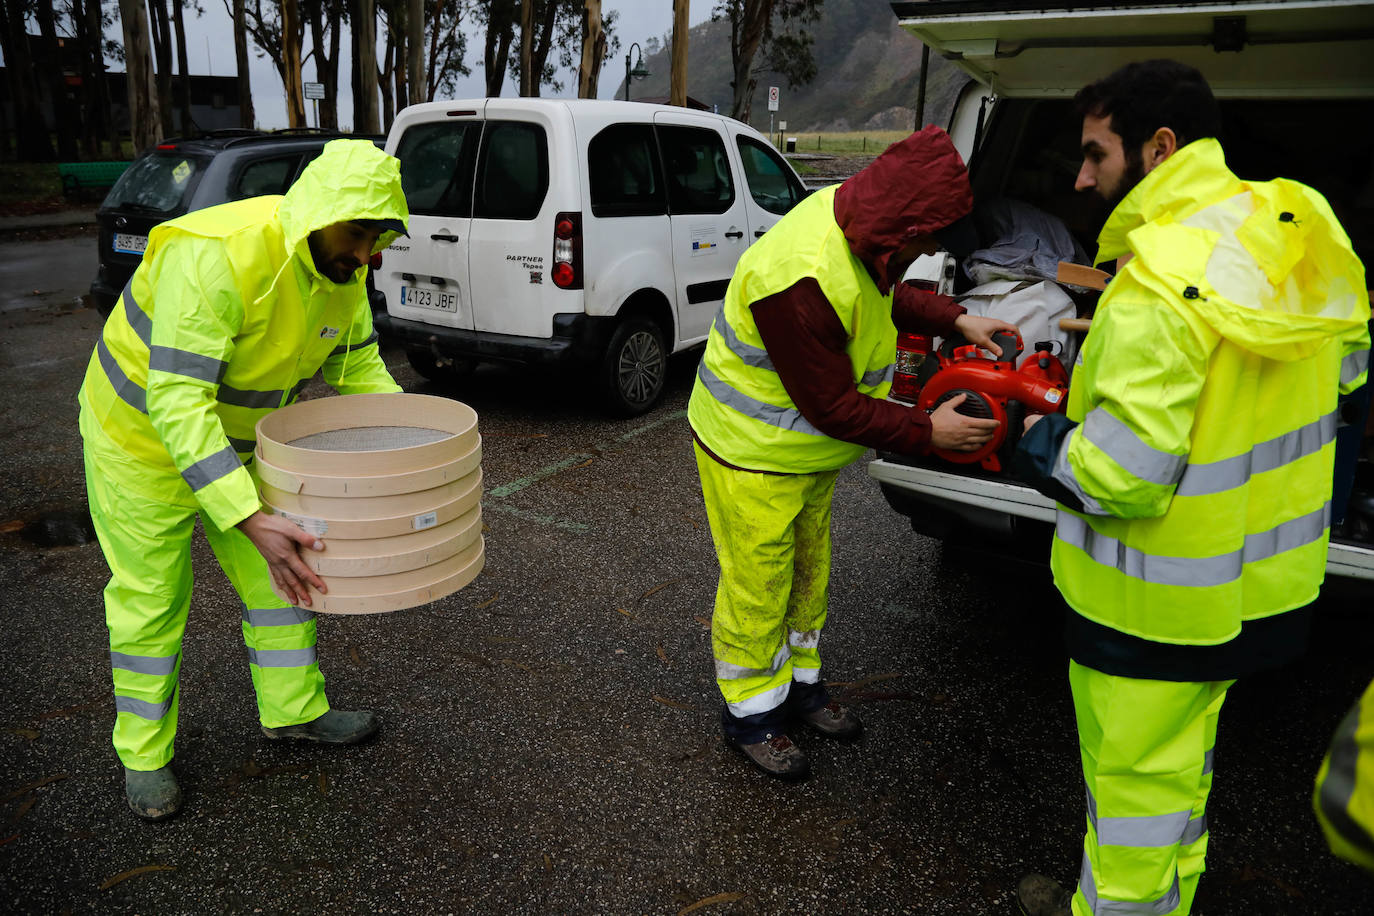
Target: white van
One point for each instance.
(1296, 89)
(574, 233)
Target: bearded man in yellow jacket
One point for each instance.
(231, 312)
(1193, 469)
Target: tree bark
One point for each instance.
(415, 50)
(245, 88)
(500, 32)
(99, 124)
(63, 122)
(677, 81)
(32, 143)
(162, 51)
(291, 62)
(143, 104)
(183, 67)
(329, 111)
(746, 35)
(384, 80)
(365, 119)
(528, 81)
(593, 49)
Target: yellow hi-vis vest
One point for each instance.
(739, 407)
(1206, 400)
(225, 320)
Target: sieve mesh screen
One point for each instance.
(370, 438)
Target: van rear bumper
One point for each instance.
(578, 340)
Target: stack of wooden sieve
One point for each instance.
(392, 483)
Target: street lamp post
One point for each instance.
(639, 69)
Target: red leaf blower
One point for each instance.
(995, 389)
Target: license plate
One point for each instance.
(130, 244)
(429, 298)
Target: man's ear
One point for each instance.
(1159, 147)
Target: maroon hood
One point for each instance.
(915, 187)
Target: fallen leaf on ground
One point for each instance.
(583, 464)
(356, 656)
(621, 610)
(854, 685)
(703, 621)
(729, 897)
(658, 588)
(70, 710)
(674, 703)
(30, 733)
(9, 839)
(491, 600)
(324, 784)
(36, 784)
(134, 873)
(9, 527)
(514, 664)
(662, 656)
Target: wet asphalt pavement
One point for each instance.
(551, 742)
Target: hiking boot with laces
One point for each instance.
(153, 794)
(1041, 896)
(776, 755)
(833, 721)
(337, 726)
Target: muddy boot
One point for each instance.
(833, 721)
(153, 794)
(334, 727)
(776, 755)
(1041, 896)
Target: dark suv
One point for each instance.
(177, 176)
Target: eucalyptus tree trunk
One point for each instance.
(246, 116)
(291, 62)
(677, 81)
(365, 119)
(415, 50)
(593, 49)
(183, 66)
(143, 104)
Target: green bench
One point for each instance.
(79, 176)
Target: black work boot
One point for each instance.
(1041, 896)
(776, 755)
(337, 726)
(833, 721)
(153, 794)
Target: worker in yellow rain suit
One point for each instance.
(1344, 798)
(232, 310)
(1193, 470)
(790, 390)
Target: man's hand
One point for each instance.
(952, 430)
(279, 541)
(978, 330)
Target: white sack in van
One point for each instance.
(1034, 307)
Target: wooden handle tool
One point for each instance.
(1081, 275)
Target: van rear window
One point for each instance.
(157, 184)
(698, 169)
(437, 162)
(512, 171)
(623, 172)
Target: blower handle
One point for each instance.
(1010, 344)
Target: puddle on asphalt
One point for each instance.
(59, 528)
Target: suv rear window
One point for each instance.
(265, 176)
(512, 171)
(698, 170)
(157, 183)
(623, 172)
(437, 163)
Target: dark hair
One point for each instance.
(1144, 96)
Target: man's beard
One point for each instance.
(1130, 177)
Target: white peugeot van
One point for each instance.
(575, 233)
(1296, 88)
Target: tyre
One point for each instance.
(453, 370)
(634, 368)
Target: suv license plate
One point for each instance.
(429, 298)
(130, 244)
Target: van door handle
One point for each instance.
(443, 237)
(758, 233)
(734, 234)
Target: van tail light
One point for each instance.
(375, 262)
(567, 251)
(907, 373)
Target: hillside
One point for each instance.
(868, 71)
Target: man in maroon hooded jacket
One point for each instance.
(790, 390)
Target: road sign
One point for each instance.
(772, 98)
(313, 90)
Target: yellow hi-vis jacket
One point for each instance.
(739, 406)
(225, 320)
(1206, 401)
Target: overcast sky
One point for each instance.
(210, 47)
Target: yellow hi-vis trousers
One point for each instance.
(147, 544)
(772, 537)
(1147, 762)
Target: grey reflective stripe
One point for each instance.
(1207, 760)
(1123, 446)
(808, 639)
(781, 417)
(281, 658)
(727, 671)
(1196, 830)
(1145, 831)
(1106, 907)
(129, 391)
(752, 355)
(239, 397)
(157, 665)
(1229, 473)
(1338, 788)
(1063, 472)
(349, 348)
(184, 362)
(137, 318)
(296, 390)
(1191, 571)
(207, 470)
(875, 377)
(276, 616)
(1353, 366)
(242, 445)
(142, 708)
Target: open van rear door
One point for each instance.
(1264, 48)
